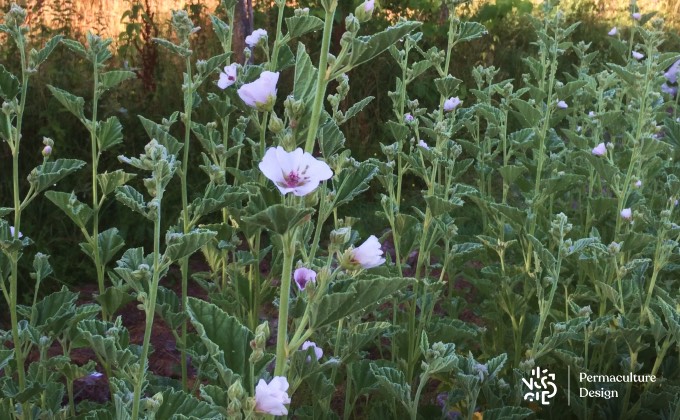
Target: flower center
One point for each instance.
(292, 179)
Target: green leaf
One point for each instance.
(109, 340)
(280, 218)
(180, 245)
(161, 134)
(77, 211)
(467, 31)
(112, 79)
(352, 181)
(331, 138)
(54, 311)
(109, 133)
(447, 86)
(526, 113)
(40, 56)
(217, 197)
(213, 63)
(545, 256)
(356, 108)
(169, 308)
(394, 382)
(300, 25)
(175, 49)
(9, 84)
(113, 299)
(179, 403)
(109, 243)
(439, 206)
(42, 267)
(74, 104)
(227, 340)
(5, 357)
(365, 48)
(75, 46)
(446, 361)
(511, 172)
(132, 198)
(361, 335)
(51, 172)
(351, 296)
(109, 181)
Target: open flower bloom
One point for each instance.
(270, 398)
(11, 232)
(600, 150)
(562, 105)
(408, 118)
(451, 104)
(228, 76)
(627, 213)
(297, 172)
(254, 38)
(613, 31)
(261, 93)
(369, 254)
(638, 183)
(636, 55)
(424, 145)
(672, 73)
(671, 90)
(302, 276)
(318, 352)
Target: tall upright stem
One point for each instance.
(322, 79)
(150, 308)
(184, 264)
(286, 276)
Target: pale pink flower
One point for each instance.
(638, 183)
(408, 118)
(600, 150)
(228, 76)
(613, 31)
(261, 93)
(636, 55)
(452, 103)
(302, 276)
(369, 254)
(369, 5)
(253, 39)
(591, 114)
(671, 90)
(562, 105)
(636, 15)
(297, 172)
(46, 151)
(318, 351)
(11, 232)
(270, 398)
(424, 145)
(627, 214)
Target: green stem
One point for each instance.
(421, 385)
(286, 276)
(150, 308)
(277, 43)
(322, 79)
(184, 263)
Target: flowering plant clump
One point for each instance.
(508, 238)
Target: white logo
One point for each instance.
(541, 386)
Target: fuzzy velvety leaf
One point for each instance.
(53, 312)
(354, 296)
(511, 172)
(227, 340)
(467, 31)
(40, 56)
(132, 198)
(186, 244)
(9, 84)
(331, 139)
(357, 107)
(41, 267)
(439, 206)
(179, 403)
(364, 48)
(114, 78)
(352, 181)
(213, 63)
(169, 308)
(161, 133)
(77, 211)
(109, 181)
(394, 382)
(75, 46)
(176, 49)
(526, 113)
(280, 218)
(109, 133)
(217, 197)
(51, 172)
(447, 86)
(75, 104)
(113, 299)
(300, 25)
(109, 243)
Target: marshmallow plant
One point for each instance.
(545, 235)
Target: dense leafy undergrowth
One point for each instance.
(556, 298)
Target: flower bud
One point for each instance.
(364, 11)
(47, 151)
